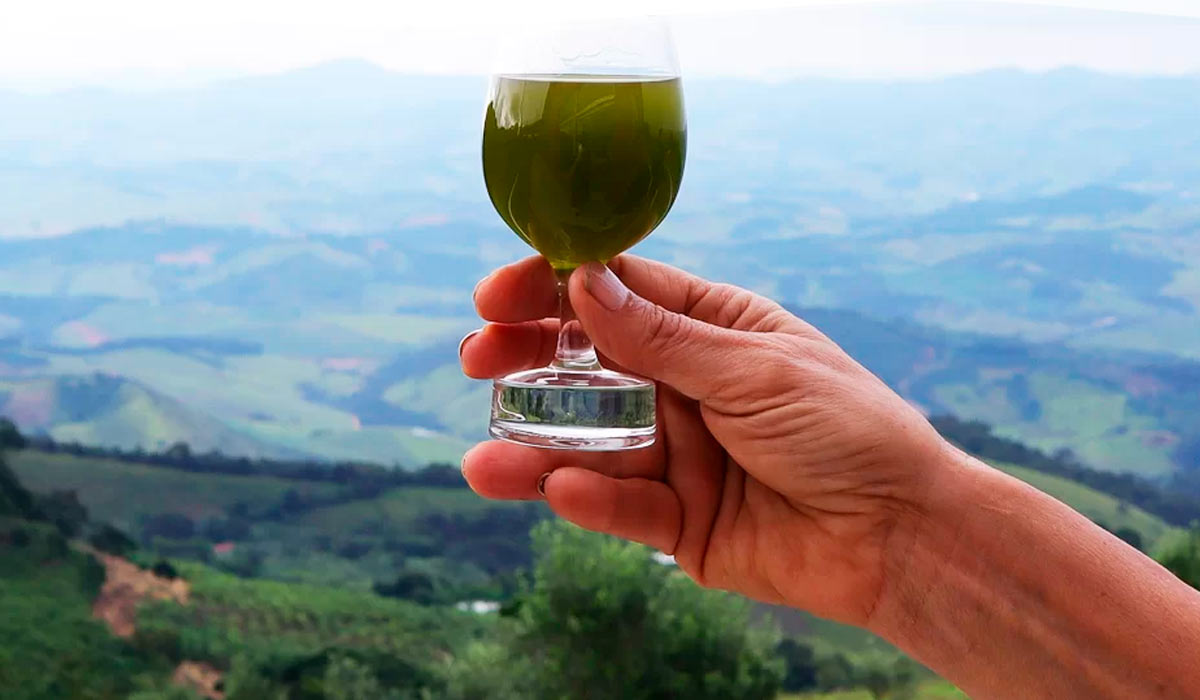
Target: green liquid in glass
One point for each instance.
(583, 167)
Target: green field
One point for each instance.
(1101, 425)
(49, 644)
(227, 615)
(353, 542)
(121, 492)
(929, 690)
(397, 509)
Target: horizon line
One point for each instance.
(153, 81)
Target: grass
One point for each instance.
(227, 616)
(457, 402)
(51, 647)
(1099, 424)
(121, 493)
(398, 509)
(382, 444)
(400, 329)
(929, 690)
(305, 547)
(263, 401)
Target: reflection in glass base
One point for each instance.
(573, 409)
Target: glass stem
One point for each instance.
(575, 352)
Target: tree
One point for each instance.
(894, 679)
(10, 436)
(179, 453)
(110, 540)
(1182, 557)
(63, 510)
(164, 569)
(174, 526)
(348, 679)
(603, 620)
(412, 585)
(800, 665)
(1130, 536)
(15, 499)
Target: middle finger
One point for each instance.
(503, 470)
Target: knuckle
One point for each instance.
(665, 332)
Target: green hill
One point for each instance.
(104, 409)
(123, 493)
(291, 601)
(50, 646)
(354, 534)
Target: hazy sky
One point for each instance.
(60, 42)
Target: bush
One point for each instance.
(1131, 537)
(92, 576)
(171, 526)
(603, 620)
(163, 569)
(835, 672)
(1182, 558)
(10, 437)
(487, 670)
(15, 500)
(415, 586)
(800, 665)
(110, 540)
(63, 510)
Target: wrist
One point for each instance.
(1007, 592)
(926, 541)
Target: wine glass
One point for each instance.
(584, 140)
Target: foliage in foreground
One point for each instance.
(598, 618)
(50, 647)
(604, 620)
(1182, 557)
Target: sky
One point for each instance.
(151, 43)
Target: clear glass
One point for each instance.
(583, 150)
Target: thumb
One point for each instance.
(694, 357)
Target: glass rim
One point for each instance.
(525, 52)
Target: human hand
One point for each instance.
(782, 470)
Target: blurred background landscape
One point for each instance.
(229, 310)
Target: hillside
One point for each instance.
(51, 646)
(353, 532)
(290, 574)
(125, 493)
(104, 408)
(245, 638)
(444, 535)
(296, 284)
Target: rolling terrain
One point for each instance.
(286, 572)
(1011, 247)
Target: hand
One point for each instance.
(783, 468)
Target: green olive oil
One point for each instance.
(583, 167)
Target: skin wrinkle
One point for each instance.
(668, 448)
(730, 507)
(803, 480)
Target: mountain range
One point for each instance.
(282, 265)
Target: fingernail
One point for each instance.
(604, 286)
(541, 484)
(475, 292)
(463, 343)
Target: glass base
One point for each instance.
(594, 410)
